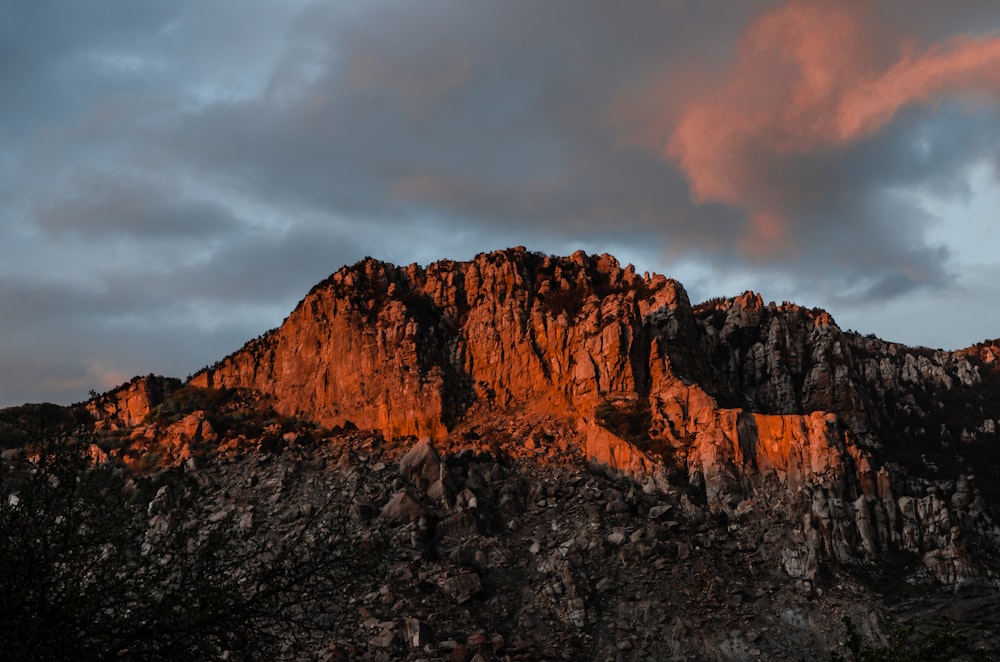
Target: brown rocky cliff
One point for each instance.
(407, 350)
(751, 402)
(792, 360)
(130, 404)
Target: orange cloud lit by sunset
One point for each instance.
(810, 76)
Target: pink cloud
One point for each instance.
(963, 64)
(809, 76)
(766, 236)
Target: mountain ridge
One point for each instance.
(738, 396)
(573, 393)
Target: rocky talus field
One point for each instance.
(519, 457)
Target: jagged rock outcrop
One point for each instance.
(129, 404)
(174, 442)
(744, 399)
(407, 350)
(611, 452)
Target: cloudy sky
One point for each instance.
(174, 176)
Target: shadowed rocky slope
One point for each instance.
(749, 461)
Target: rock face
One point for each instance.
(560, 458)
(871, 443)
(407, 351)
(129, 404)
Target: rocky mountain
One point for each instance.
(563, 458)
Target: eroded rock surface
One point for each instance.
(743, 397)
(559, 449)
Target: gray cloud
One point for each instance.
(857, 235)
(443, 116)
(115, 205)
(253, 269)
(65, 340)
(174, 176)
(494, 113)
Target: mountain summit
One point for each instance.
(594, 416)
(409, 350)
